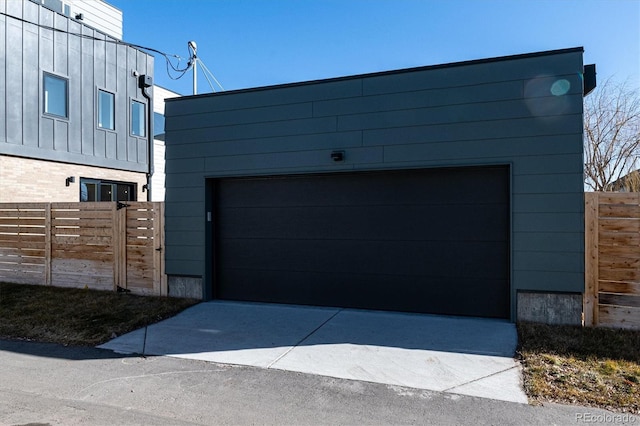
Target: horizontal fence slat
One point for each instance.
(619, 238)
(613, 274)
(133, 233)
(619, 225)
(25, 249)
(622, 300)
(619, 317)
(82, 214)
(624, 211)
(21, 260)
(620, 287)
(62, 239)
(91, 256)
(617, 262)
(85, 223)
(5, 239)
(626, 252)
(22, 221)
(618, 198)
(86, 206)
(22, 229)
(22, 206)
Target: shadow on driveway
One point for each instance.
(472, 356)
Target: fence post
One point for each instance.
(590, 307)
(159, 277)
(116, 245)
(48, 230)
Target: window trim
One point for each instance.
(144, 115)
(113, 97)
(46, 74)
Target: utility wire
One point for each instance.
(166, 56)
(206, 70)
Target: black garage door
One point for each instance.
(433, 241)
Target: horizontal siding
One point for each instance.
(261, 98)
(508, 128)
(489, 72)
(550, 242)
(503, 112)
(274, 144)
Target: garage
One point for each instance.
(426, 240)
(446, 189)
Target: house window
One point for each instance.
(138, 121)
(158, 126)
(55, 95)
(102, 190)
(106, 110)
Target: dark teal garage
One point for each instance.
(447, 189)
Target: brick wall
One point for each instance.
(30, 180)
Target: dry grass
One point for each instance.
(595, 367)
(76, 316)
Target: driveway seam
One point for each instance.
(478, 379)
(304, 338)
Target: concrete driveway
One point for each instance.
(468, 356)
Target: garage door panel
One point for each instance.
(445, 187)
(470, 259)
(399, 222)
(416, 294)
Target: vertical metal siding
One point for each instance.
(28, 51)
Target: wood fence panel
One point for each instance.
(612, 260)
(93, 245)
(82, 258)
(23, 243)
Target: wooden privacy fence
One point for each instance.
(612, 260)
(94, 245)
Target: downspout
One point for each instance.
(145, 82)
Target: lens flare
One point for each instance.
(560, 87)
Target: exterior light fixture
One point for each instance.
(69, 180)
(337, 156)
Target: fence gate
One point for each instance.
(612, 260)
(107, 246)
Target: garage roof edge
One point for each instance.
(389, 72)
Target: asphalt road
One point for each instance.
(46, 384)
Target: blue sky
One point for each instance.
(252, 43)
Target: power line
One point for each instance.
(166, 56)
